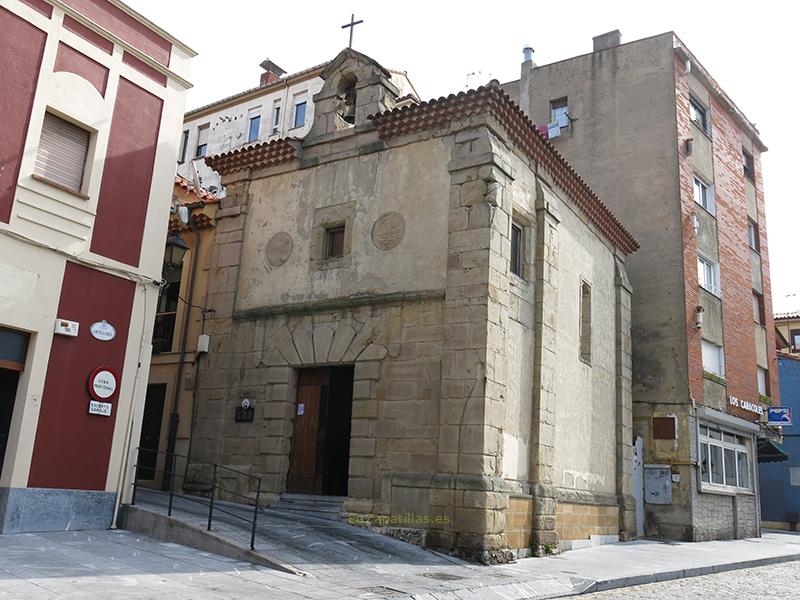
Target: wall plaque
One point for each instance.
(388, 230)
(279, 248)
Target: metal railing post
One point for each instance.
(211, 503)
(171, 461)
(255, 517)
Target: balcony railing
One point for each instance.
(163, 330)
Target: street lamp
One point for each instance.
(175, 251)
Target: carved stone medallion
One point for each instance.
(279, 248)
(388, 230)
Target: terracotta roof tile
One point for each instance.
(261, 154)
(203, 194)
(522, 132)
(787, 315)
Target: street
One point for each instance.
(772, 581)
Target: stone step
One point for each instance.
(321, 507)
(313, 498)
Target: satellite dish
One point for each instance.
(183, 215)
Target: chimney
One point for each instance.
(608, 40)
(272, 72)
(527, 54)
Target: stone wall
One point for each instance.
(581, 521)
(458, 364)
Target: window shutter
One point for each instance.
(61, 157)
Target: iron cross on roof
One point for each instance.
(352, 24)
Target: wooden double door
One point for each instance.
(320, 454)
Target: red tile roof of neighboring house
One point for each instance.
(203, 194)
(261, 154)
(522, 133)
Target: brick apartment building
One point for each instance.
(92, 100)
(655, 136)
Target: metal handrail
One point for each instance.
(169, 461)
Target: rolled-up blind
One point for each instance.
(61, 157)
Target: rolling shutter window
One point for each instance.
(61, 157)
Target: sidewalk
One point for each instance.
(123, 565)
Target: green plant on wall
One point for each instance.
(714, 377)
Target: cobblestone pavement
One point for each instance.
(760, 583)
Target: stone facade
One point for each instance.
(473, 408)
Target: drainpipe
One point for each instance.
(174, 417)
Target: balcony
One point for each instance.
(163, 331)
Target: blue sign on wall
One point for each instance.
(779, 415)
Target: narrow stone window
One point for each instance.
(586, 322)
(334, 241)
(517, 237)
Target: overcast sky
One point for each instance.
(750, 48)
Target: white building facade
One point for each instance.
(281, 106)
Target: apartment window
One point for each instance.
(516, 249)
(763, 381)
(184, 144)
(699, 115)
(559, 112)
(167, 311)
(747, 165)
(299, 114)
(586, 322)
(758, 309)
(708, 275)
(334, 241)
(794, 339)
(724, 458)
(704, 195)
(713, 358)
(276, 117)
(752, 235)
(62, 153)
(253, 124)
(202, 141)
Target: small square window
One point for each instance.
(334, 241)
(559, 112)
(62, 153)
(254, 125)
(516, 249)
(708, 275)
(748, 166)
(585, 341)
(704, 195)
(184, 144)
(300, 114)
(763, 381)
(202, 141)
(276, 116)
(699, 115)
(752, 235)
(713, 358)
(758, 308)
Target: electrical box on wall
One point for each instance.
(203, 343)
(65, 327)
